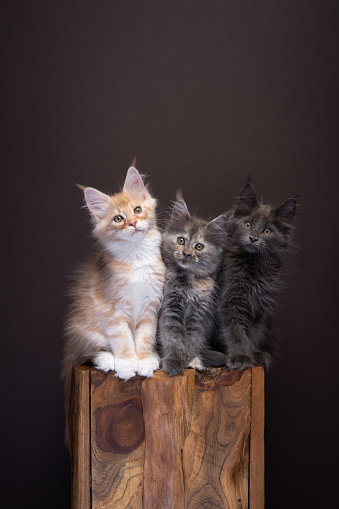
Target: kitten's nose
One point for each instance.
(254, 238)
(187, 256)
(133, 224)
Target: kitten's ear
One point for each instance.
(180, 212)
(216, 229)
(247, 200)
(134, 185)
(97, 202)
(219, 224)
(286, 210)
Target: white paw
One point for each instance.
(104, 361)
(126, 368)
(147, 366)
(196, 364)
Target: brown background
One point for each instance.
(203, 93)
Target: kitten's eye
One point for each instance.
(247, 225)
(137, 210)
(118, 219)
(199, 246)
(267, 231)
(181, 241)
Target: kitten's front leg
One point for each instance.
(174, 366)
(145, 331)
(175, 359)
(172, 335)
(104, 361)
(200, 328)
(240, 361)
(239, 349)
(122, 345)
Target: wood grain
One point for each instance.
(167, 403)
(191, 441)
(257, 447)
(79, 430)
(117, 442)
(215, 454)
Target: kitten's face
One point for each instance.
(256, 232)
(190, 249)
(191, 243)
(260, 228)
(125, 216)
(127, 219)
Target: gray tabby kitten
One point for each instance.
(192, 251)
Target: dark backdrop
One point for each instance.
(203, 93)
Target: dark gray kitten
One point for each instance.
(258, 236)
(192, 251)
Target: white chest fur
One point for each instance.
(144, 286)
(145, 279)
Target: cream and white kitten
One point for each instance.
(117, 295)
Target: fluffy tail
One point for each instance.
(214, 359)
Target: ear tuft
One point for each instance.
(97, 202)
(179, 196)
(180, 211)
(134, 185)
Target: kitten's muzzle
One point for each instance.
(254, 237)
(187, 257)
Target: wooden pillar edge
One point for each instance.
(79, 428)
(257, 448)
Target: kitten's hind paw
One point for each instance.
(126, 368)
(263, 358)
(104, 361)
(196, 363)
(147, 366)
(240, 362)
(173, 366)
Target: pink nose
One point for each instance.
(133, 224)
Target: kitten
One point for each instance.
(192, 250)
(117, 295)
(258, 236)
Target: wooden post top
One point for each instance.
(222, 375)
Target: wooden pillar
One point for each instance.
(79, 433)
(195, 440)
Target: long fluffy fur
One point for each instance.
(187, 315)
(258, 237)
(117, 294)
